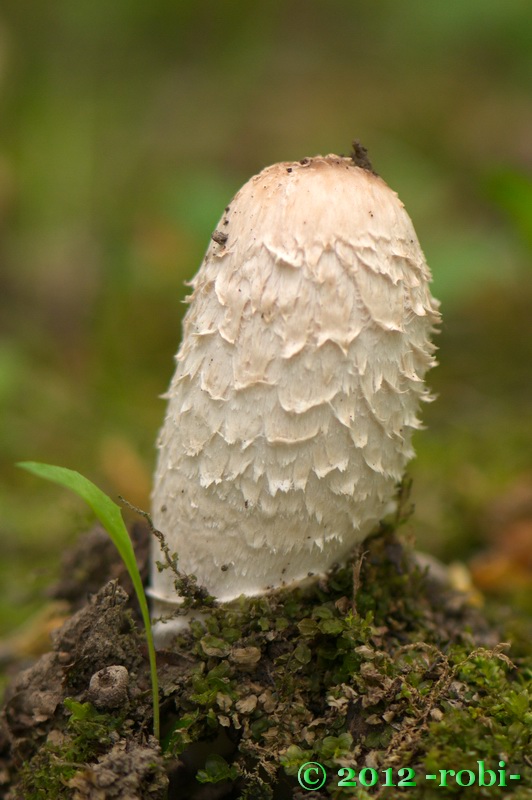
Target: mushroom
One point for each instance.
(298, 381)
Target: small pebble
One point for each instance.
(108, 687)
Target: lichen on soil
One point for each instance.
(379, 665)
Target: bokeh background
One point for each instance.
(126, 127)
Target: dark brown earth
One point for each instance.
(244, 689)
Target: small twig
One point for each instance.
(170, 560)
(185, 585)
(405, 509)
(357, 568)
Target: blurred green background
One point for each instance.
(127, 126)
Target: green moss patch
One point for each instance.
(379, 666)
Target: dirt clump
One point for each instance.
(381, 665)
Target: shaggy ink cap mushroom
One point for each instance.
(298, 381)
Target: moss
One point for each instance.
(377, 666)
(87, 735)
(492, 723)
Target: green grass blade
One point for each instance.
(110, 516)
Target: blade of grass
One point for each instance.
(110, 516)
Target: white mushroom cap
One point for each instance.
(298, 380)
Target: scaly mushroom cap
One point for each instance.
(298, 380)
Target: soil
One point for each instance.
(379, 665)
